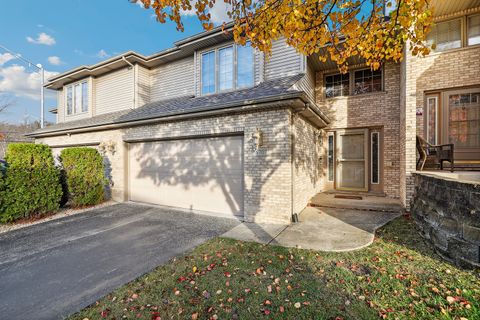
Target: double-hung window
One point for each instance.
(227, 68)
(77, 98)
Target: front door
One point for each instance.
(352, 159)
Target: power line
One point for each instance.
(42, 80)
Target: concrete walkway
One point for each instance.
(320, 228)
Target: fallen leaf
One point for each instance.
(297, 305)
(194, 316)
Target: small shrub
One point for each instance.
(85, 177)
(31, 182)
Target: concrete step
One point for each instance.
(356, 202)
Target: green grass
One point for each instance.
(397, 277)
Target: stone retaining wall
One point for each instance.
(448, 214)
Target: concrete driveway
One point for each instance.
(51, 270)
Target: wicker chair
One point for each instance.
(435, 153)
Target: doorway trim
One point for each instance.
(339, 158)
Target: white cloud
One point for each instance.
(16, 80)
(42, 38)
(102, 54)
(218, 13)
(56, 61)
(5, 57)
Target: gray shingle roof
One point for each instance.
(186, 104)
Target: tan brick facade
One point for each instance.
(443, 71)
(381, 110)
(306, 169)
(453, 69)
(267, 172)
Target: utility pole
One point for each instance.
(41, 72)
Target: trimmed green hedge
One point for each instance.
(85, 176)
(32, 182)
(2, 187)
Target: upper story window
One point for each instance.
(208, 72)
(227, 68)
(473, 30)
(368, 81)
(456, 33)
(245, 66)
(77, 98)
(446, 35)
(364, 81)
(337, 85)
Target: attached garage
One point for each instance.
(203, 174)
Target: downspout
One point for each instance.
(293, 114)
(134, 84)
(195, 73)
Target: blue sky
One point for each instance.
(62, 35)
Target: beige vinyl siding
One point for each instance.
(60, 107)
(259, 66)
(307, 83)
(284, 61)
(114, 91)
(143, 83)
(173, 79)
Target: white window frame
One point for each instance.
(217, 69)
(214, 72)
(66, 101)
(76, 110)
(378, 156)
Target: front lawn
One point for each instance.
(397, 277)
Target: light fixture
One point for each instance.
(257, 138)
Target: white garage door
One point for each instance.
(199, 174)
